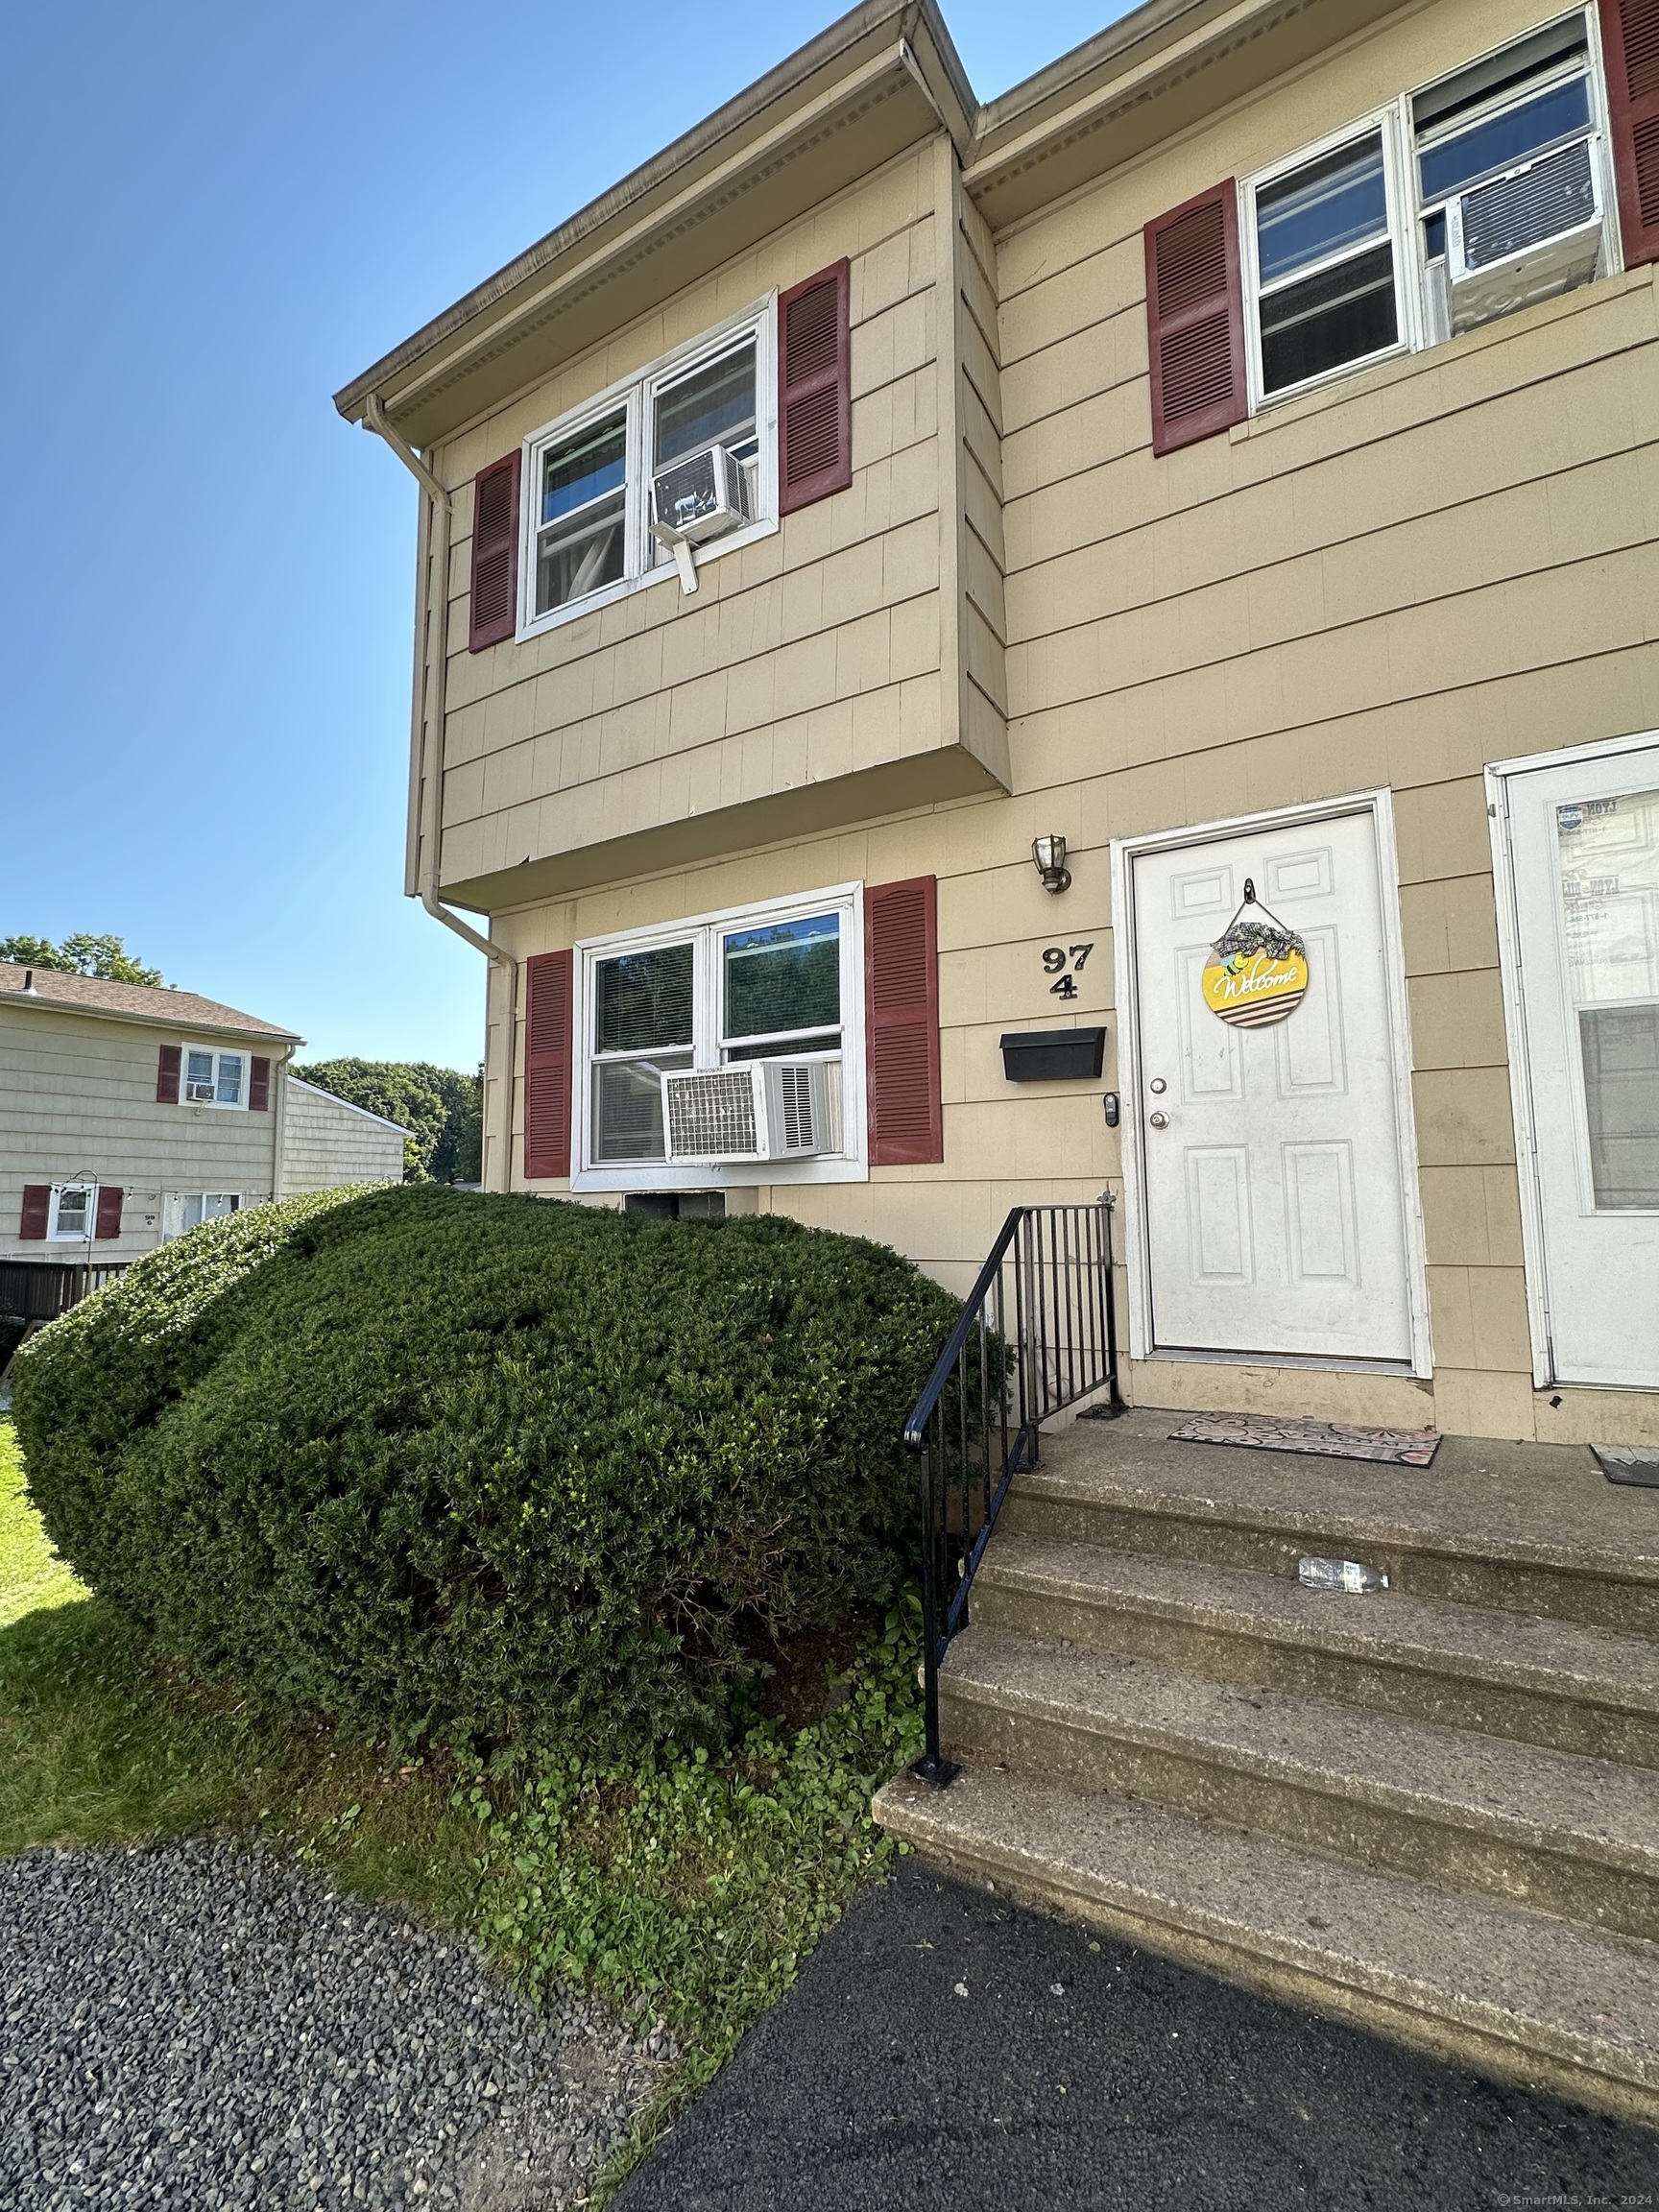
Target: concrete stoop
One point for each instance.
(1434, 1811)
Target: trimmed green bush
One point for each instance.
(485, 1466)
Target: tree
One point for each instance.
(439, 1107)
(106, 957)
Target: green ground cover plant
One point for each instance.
(486, 1470)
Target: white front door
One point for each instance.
(1584, 852)
(1273, 1184)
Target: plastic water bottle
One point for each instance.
(1339, 1574)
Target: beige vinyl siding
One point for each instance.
(808, 658)
(326, 1143)
(78, 1094)
(1440, 562)
(1445, 560)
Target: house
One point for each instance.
(968, 654)
(1231, 453)
(127, 1115)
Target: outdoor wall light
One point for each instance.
(1048, 856)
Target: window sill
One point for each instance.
(747, 1175)
(1398, 368)
(717, 549)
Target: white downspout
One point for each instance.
(430, 716)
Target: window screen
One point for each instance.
(1325, 265)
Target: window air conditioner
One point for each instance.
(199, 1093)
(760, 1110)
(703, 497)
(1525, 235)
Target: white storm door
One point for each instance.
(1585, 848)
(1275, 1206)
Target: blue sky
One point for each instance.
(213, 217)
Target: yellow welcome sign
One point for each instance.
(1249, 988)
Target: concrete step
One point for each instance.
(1561, 1833)
(1522, 1528)
(1553, 1683)
(1519, 1995)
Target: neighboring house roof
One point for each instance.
(179, 1010)
(316, 1089)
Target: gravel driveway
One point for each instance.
(203, 2027)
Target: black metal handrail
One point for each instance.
(1038, 1333)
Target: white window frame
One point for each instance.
(1407, 288)
(202, 1197)
(633, 396)
(220, 1052)
(57, 1235)
(704, 930)
(1400, 179)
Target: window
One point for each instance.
(214, 1078)
(772, 983)
(210, 1206)
(590, 473)
(1463, 202)
(1327, 289)
(74, 1212)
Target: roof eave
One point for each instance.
(907, 37)
(173, 1021)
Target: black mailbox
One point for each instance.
(1053, 1055)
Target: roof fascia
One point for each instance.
(1145, 79)
(882, 78)
(179, 1029)
(316, 1089)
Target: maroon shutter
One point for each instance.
(36, 1212)
(495, 554)
(1196, 318)
(259, 1085)
(109, 1222)
(902, 1022)
(167, 1070)
(1630, 42)
(814, 388)
(548, 1051)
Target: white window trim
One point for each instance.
(634, 393)
(852, 1166)
(220, 1052)
(1407, 288)
(1404, 224)
(57, 1235)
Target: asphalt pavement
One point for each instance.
(944, 2049)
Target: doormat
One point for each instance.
(1634, 1463)
(1324, 1439)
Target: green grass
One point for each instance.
(685, 1887)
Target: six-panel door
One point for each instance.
(1275, 1205)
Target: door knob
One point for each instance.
(1158, 1120)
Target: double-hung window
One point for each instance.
(589, 474)
(777, 982)
(1461, 202)
(214, 1078)
(74, 1208)
(1327, 286)
(210, 1206)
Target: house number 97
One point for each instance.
(1065, 962)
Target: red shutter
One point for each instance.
(36, 1212)
(259, 1085)
(902, 1022)
(495, 554)
(109, 1222)
(547, 1049)
(815, 388)
(167, 1072)
(1630, 42)
(1196, 318)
